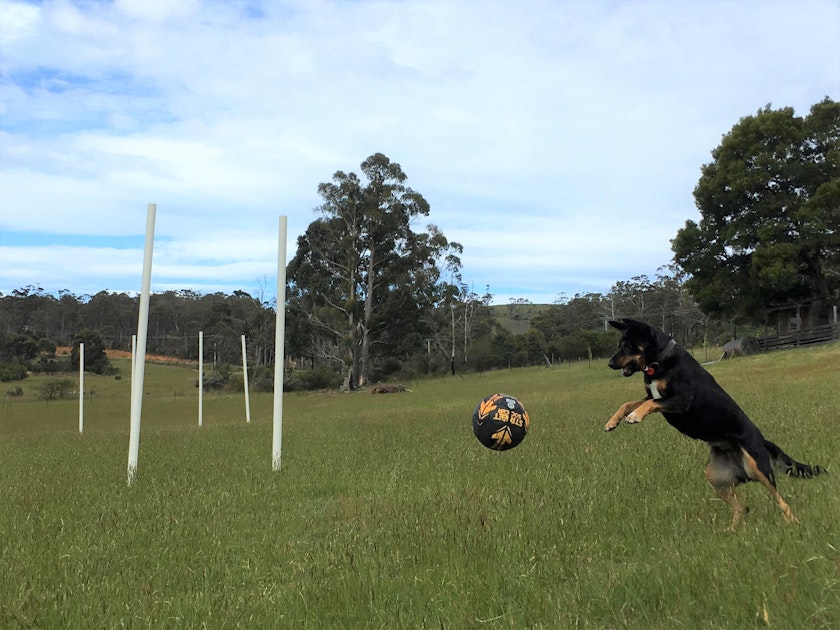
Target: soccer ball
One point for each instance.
(500, 422)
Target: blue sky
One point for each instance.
(558, 141)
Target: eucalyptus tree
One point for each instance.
(362, 277)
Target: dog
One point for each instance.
(693, 403)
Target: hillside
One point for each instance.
(517, 317)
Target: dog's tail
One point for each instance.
(784, 463)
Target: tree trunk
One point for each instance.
(365, 349)
(452, 357)
(355, 362)
(349, 384)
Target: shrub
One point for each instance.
(12, 371)
(304, 380)
(56, 389)
(236, 383)
(46, 365)
(262, 380)
(217, 379)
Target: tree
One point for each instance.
(95, 359)
(506, 349)
(21, 348)
(535, 346)
(361, 277)
(769, 201)
(635, 297)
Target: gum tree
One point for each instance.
(362, 278)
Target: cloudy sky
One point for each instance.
(558, 141)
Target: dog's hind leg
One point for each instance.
(764, 475)
(727, 493)
(724, 472)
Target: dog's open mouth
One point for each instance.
(628, 370)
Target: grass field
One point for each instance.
(387, 513)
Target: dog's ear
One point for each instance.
(632, 323)
(619, 325)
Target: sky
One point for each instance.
(558, 141)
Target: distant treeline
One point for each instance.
(175, 317)
(33, 323)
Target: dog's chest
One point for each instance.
(654, 388)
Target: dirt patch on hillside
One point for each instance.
(126, 354)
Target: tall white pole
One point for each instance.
(133, 367)
(245, 381)
(200, 377)
(279, 347)
(140, 361)
(133, 361)
(81, 388)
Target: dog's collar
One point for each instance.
(668, 350)
(650, 369)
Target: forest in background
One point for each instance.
(34, 323)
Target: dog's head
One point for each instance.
(640, 346)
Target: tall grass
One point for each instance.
(388, 513)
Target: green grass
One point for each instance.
(387, 513)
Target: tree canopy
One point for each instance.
(769, 201)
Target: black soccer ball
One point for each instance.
(500, 422)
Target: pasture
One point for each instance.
(387, 513)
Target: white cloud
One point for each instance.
(17, 21)
(156, 10)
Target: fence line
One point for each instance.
(806, 337)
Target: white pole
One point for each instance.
(142, 330)
(81, 388)
(200, 377)
(133, 364)
(245, 381)
(279, 349)
(133, 360)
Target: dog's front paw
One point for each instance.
(633, 418)
(612, 423)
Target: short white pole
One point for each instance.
(245, 382)
(200, 377)
(279, 349)
(142, 330)
(81, 388)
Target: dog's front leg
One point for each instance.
(623, 411)
(647, 407)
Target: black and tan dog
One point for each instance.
(693, 403)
